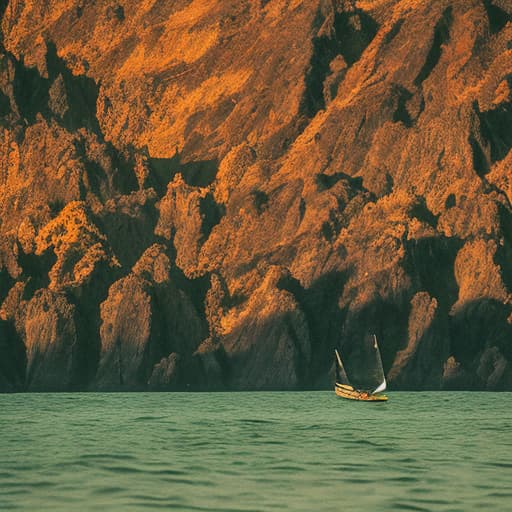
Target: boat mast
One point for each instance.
(341, 374)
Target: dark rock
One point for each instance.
(266, 339)
(12, 359)
(144, 318)
(494, 370)
(165, 375)
(420, 365)
(55, 356)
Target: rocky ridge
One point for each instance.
(212, 195)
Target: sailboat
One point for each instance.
(370, 380)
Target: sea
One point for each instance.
(255, 451)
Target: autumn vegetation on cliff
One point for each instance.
(212, 195)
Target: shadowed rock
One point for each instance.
(144, 318)
(54, 354)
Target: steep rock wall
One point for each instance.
(213, 195)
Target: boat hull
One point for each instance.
(348, 392)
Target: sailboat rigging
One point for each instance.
(368, 374)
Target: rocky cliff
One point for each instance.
(214, 194)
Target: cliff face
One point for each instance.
(212, 195)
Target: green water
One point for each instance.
(255, 451)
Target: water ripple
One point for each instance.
(254, 451)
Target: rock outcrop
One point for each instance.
(145, 318)
(214, 195)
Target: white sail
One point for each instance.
(338, 358)
(380, 388)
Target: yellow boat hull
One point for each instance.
(350, 393)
